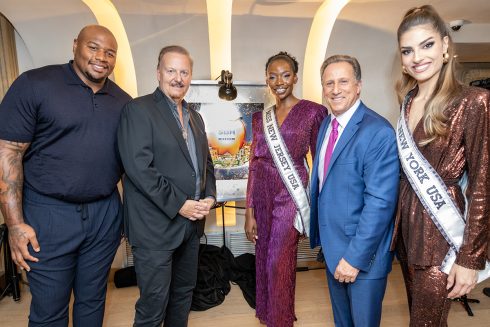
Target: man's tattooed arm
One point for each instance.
(11, 184)
(11, 180)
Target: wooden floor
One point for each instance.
(312, 306)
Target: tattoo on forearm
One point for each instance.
(11, 180)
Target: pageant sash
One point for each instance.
(287, 171)
(433, 194)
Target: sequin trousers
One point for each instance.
(426, 292)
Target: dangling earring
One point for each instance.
(445, 57)
(404, 70)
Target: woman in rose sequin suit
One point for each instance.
(451, 125)
(270, 209)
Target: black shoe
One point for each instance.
(319, 257)
(486, 291)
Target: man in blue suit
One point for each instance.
(353, 196)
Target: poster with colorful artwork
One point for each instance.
(229, 131)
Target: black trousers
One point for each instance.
(166, 280)
(78, 243)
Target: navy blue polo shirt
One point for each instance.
(73, 153)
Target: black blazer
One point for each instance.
(159, 173)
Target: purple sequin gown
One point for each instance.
(274, 211)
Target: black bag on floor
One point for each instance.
(243, 274)
(125, 277)
(213, 277)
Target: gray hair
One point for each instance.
(343, 58)
(174, 49)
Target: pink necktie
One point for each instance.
(334, 133)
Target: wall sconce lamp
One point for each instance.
(227, 90)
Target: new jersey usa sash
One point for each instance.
(287, 171)
(433, 194)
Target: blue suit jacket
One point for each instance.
(352, 215)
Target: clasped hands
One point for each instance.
(196, 210)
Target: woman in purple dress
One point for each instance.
(270, 209)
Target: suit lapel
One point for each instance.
(321, 137)
(169, 119)
(321, 134)
(196, 131)
(349, 131)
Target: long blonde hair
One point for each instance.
(447, 86)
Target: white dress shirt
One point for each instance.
(343, 120)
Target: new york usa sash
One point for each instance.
(287, 171)
(433, 195)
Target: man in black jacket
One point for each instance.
(169, 188)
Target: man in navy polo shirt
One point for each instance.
(59, 166)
